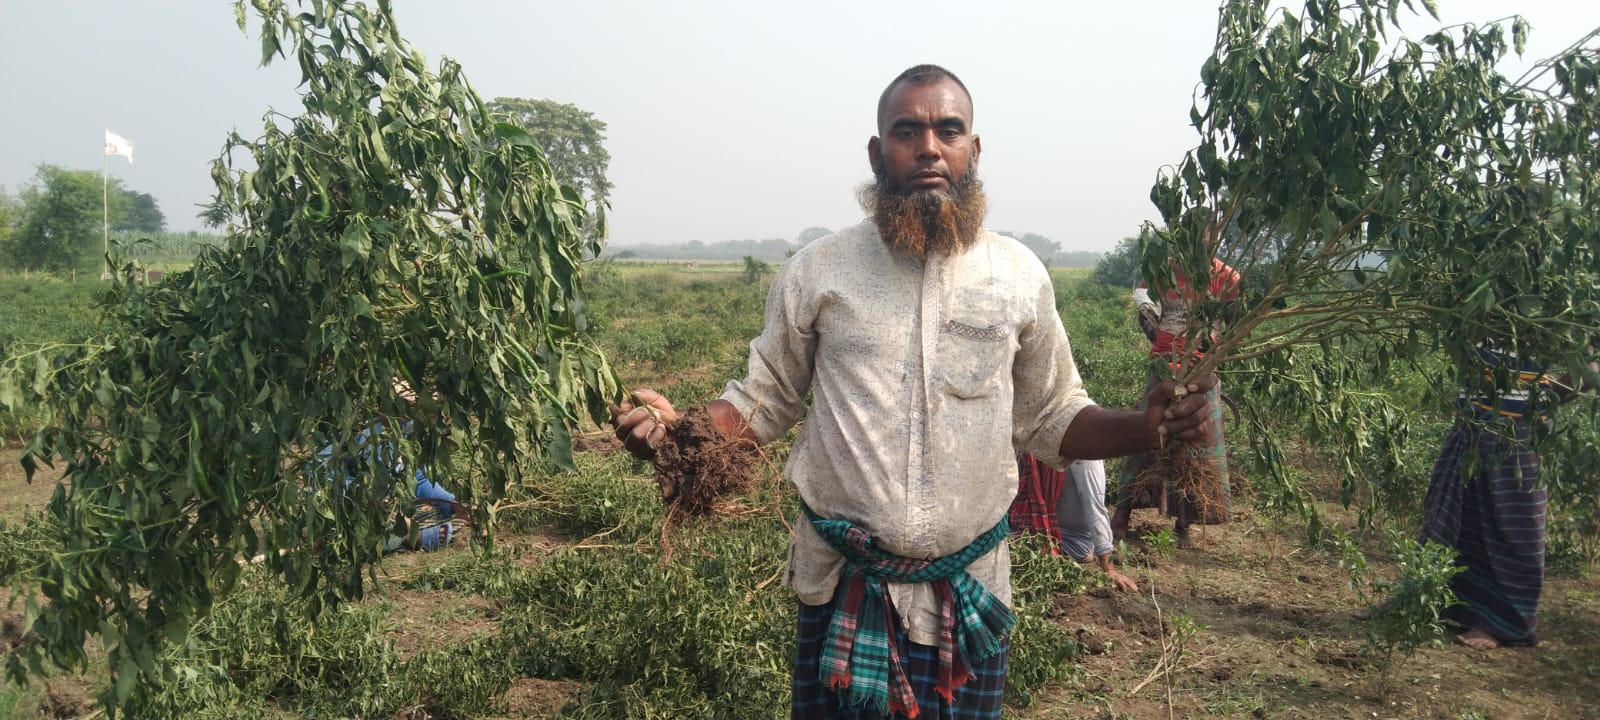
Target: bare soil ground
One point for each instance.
(16, 493)
(1280, 637)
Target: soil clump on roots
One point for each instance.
(698, 465)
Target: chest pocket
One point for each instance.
(972, 356)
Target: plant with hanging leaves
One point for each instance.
(397, 263)
(1384, 202)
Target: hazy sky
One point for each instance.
(728, 120)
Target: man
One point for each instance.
(436, 518)
(1494, 515)
(930, 348)
(1070, 508)
(1166, 324)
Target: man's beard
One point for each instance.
(926, 223)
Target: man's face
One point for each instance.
(925, 142)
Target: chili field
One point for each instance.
(589, 603)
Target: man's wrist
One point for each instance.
(728, 420)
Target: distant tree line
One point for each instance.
(770, 249)
(54, 223)
(777, 249)
(1050, 252)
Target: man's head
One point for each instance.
(927, 197)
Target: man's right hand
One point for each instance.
(641, 427)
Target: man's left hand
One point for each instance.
(1188, 419)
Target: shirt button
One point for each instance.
(916, 415)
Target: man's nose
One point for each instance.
(928, 147)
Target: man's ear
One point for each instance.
(977, 147)
(874, 157)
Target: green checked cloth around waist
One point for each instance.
(858, 655)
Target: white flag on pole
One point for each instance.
(119, 145)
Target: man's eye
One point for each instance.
(949, 133)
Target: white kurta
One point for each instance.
(924, 378)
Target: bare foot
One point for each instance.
(1182, 539)
(1477, 640)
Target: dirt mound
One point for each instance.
(698, 465)
(10, 632)
(63, 700)
(601, 442)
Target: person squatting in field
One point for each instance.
(1486, 502)
(436, 518)
(932, 350)
(1070, 508)
(1165, 324)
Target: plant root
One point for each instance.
(698, 467)
(1181, 470)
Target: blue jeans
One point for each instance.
(440, 532)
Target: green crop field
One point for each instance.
(590, 605)
(207, 461)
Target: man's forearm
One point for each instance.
(1097, 433)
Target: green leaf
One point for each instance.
(354, 245)
(127, 677)
(360, 306)
(269, 42)
(41, 374)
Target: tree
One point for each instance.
(1042, 246)
(573, 141)
(393, 230)
(1322, 152)
(61, 218)
(142, 214)
(10, 216)
(755, 269)
(1120, 267)
(1077, 258)
(815, 232)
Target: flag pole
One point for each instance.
(105, 215)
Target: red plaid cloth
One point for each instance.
(1038, 489)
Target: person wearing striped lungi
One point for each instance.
(1486, 501)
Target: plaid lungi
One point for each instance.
(1038, 490)
(1494, 518)
(978, 699)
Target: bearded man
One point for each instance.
(931, 349)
